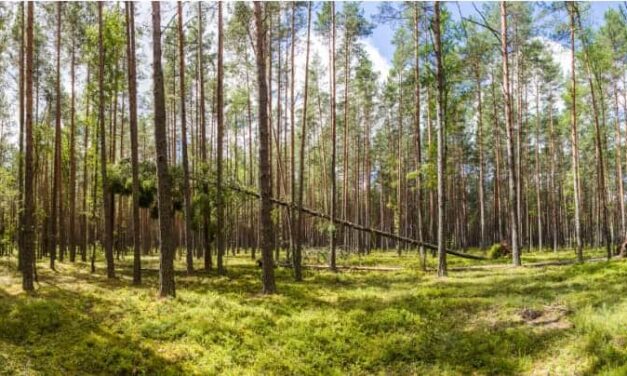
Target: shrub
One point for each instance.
(499, 250)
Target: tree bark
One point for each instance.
(56, 200)
(301, 176)
(132, 95)
(441, 112)
(511, 153)
(574, 136)
(166, 212)
(220, 103)
(265, 172)
(107, 197)
(28, 250)
(333, 232)
(417, 138)
(186, 189)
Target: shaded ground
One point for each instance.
(569, 319)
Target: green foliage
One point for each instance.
(498, 250)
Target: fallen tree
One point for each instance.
(357, 226)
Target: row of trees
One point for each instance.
(477, 134)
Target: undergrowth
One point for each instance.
(358, 322)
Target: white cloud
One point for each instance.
(379, 63)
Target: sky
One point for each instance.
(378, 45)
(381, 38)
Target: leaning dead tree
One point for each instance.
(356, 226)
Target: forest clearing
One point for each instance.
(359, 322)
(313, 188)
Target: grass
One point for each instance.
(361, 323)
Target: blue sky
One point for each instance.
(382, 35)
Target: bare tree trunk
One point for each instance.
(57, 197)
(602, 192)
(107, 197)
(265, 172)
(497, 165)
(28, 250)
(203, 140)
(301, 177)
(575, 146)
(511, 154)
(84, 221)
(481, 163)
(619, 166)
(553, 185)
(220, 103)
(442, 269)
(417, 138)
(132, 95)
(400, 165)
(73, 161)
(537, 165)
(20, 162)
(333, 231)
(166, 212)
(186, 189)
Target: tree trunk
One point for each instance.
(20, 173)
(72, 163)
(301, 176)
(441, 111)
(28, 250)
(220, 103)
(132, 95)
(481, 163)
(511, 153)
(166, 212)
(417, 138)
(107, 197)
(265, 172)
(56, 217)
(574, 136)
(333, 232)
(186, 189)
(203, 141)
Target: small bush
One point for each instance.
(499, 250)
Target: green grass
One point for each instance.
(362, 323)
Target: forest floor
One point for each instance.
(548, 320)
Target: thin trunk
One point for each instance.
(574, 136)
(21, 139)
(107, 197)
(442, 268)
(220, 103)
(265, 172)
(537, 165)
(203, 141)
(511, 153)
(28, 231)
(301, 177)
(166, 212)
(417, 138)
(186, 189)
(56, 216)
(132, 95)
(72, 162)
(333, 232)
(481, 163)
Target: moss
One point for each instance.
(401, 322)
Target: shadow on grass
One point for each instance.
(395, 323)
(55, 331)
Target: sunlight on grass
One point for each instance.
(357, 322)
